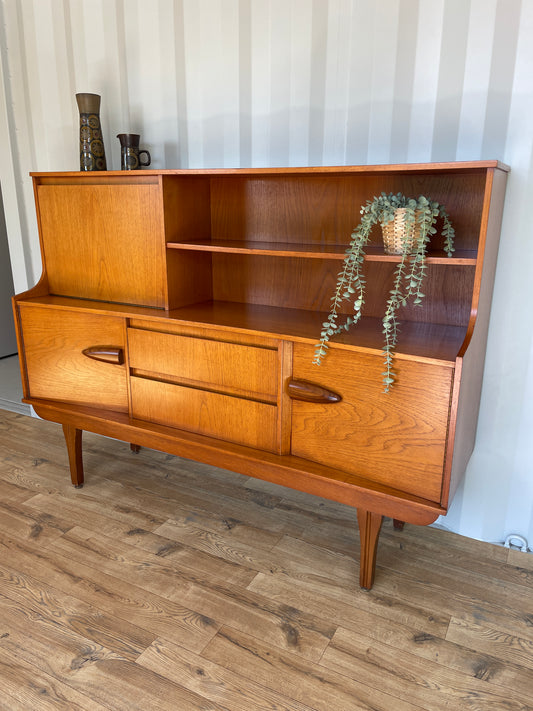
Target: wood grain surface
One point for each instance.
(119, 263)
(169, 584)
(397, 440)
(58, 369)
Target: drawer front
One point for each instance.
(396, 438)
(57, 369)
(233, 419)
(239, 369)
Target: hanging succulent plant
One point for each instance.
(408, 225)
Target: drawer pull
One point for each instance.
(310, 392)
(106, 354)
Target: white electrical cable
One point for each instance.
(514, 540)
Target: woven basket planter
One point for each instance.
(397, 236)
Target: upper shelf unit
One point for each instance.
(257, 238)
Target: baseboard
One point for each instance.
(20, 407)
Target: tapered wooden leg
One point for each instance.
(75, 459)
(369, 528)
(398, 525)
(135, 448)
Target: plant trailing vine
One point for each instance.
(420, 216)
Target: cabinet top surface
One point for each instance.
(457, 166)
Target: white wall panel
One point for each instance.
(425, 82)
(385, 31)
(476, 77)
(320, 24)
(20, 138)
(300, 52)
(259, 86)
(359, 67)
(502, 69)
(220, 83)
(331, 85)
(450, 80)
(404, 75)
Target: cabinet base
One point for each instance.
(371, 505)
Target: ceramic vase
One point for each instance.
(92, 151)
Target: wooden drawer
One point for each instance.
(57, 369)
(234, 419)
(248, 371)
(396, 438)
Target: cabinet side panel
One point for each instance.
(104, 242)
(466, 405)
(397, 439)
(189, 278)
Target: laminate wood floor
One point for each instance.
(166, 584)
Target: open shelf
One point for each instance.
(417, 339)
(313, 251)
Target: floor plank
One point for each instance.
(214, 681)
(508, 647)
(27, 687)
(288, 628)
(317, 686)
(427, 684)
(438, 646)
(49, 608)
(128, 528)
(110, 594)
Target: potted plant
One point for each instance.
(407, 225)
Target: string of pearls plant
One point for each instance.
(413, 221)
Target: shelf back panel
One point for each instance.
(310, 283)
(310, 209)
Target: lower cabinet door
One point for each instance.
(397, 439)
(54, 341)
(205, 412)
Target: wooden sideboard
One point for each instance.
(179, 310)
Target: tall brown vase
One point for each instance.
(92, 151)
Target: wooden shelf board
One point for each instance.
(417, 340)
(313, 251)
(447, 167)
(459, 257)
(278, 249)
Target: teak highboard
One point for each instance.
(179, 310)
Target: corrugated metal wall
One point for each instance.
(219, 83)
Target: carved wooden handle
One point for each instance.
(310, 392)
(106, 354)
